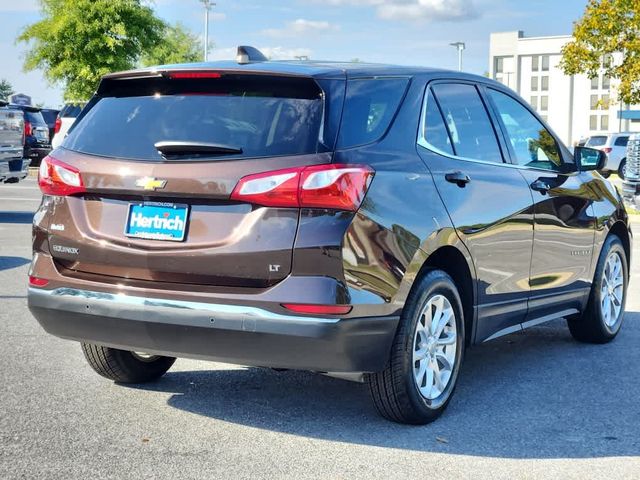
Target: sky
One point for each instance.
(410, 32)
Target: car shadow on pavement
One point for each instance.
(536, 394)
(7, 263)
(16, 217)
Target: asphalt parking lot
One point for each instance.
(531, 405)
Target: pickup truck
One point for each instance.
(631, 182)
(11, 143)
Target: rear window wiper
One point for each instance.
(180, 148)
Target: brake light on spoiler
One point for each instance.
(58, 178)
(332, 186)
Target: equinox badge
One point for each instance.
(150, 183)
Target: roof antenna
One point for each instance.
(248, 54)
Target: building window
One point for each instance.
(499, 65)
(534, 84)
(594, 83)
(544, 103)
(606, 82)
(544, 83)
(535, 63)
(534, 102)
(604, 122)
(594, 102)
(545, 63)
(593, 122)
(604, 104)
(607, 60)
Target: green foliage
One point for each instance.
(178, 46)
(79, 41)
(5, 89)
(607, 27)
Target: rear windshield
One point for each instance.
(49, 116)
(262, 118)
(596, 141)
(35, 118)
(70, 111)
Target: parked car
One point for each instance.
(65, 119)
(36, 134)
(12, 167)
(615, 146)
(365, 221)
(631, 183)
(50, 116)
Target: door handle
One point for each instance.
(540, 186)
(458, 178)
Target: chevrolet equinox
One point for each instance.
(368, 221)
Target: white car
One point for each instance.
(615, 146)
(65, 119)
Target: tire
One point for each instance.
(395, 391)
(125, 367)
(622, 169)
(594, 325)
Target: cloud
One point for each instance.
(300, 27)
(273, 53)
(424, 10)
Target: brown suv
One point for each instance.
(360, 220)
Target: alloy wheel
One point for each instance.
(612, 290)
(435, 347)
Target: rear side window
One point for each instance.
(468, 122)
(434, 131)
(596, 141)
(622, 141)
(369, 107)
(262, 117)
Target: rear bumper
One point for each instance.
(236, 334)
(18, 169)
(36, 154)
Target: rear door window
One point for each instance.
(370, 105)
(34, 118)
(271, 117)
(468, 122)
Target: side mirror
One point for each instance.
(589, 158)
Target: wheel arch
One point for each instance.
(621, 230)
(453, 262)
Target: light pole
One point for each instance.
(208, 4)
(460, 47)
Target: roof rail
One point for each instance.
(247, 54)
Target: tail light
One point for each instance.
(58, 124)
(334, 186)
(607, 150)
(58, 178)
(28, 129)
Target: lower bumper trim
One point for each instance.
(239, 334)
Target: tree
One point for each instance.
(79, 41)
(178, 46)
(607, 27)
(5, 89)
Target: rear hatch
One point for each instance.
(167, 216)
(36, 128)
(11, 133)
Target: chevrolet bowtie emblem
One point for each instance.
(150, 183)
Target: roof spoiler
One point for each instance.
(247, 54)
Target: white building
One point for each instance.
(574, 106)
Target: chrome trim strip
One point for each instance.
(160, 310)
(531, 323)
